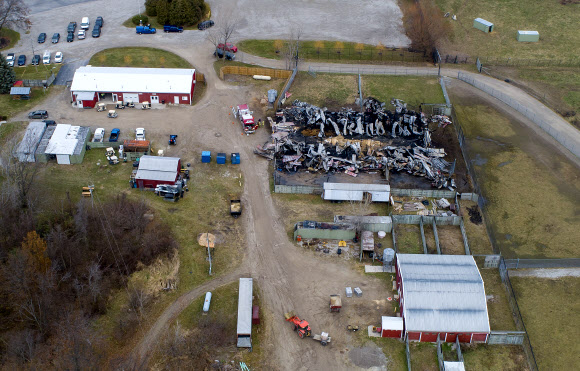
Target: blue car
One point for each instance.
(114, 135)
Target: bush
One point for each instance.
(151, 8)
(140, 18)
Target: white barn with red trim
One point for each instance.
(132, 85)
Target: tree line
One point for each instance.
(176, 12)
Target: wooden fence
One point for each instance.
(250, 71)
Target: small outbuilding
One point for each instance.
(156, 170)
(27, 147)
(391, 327)
(20, 93)
(356, 192)
(483, 25)
(528, 36)
(67, 144)
(245, 296)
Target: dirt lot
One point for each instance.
(450, 240)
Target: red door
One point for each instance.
(464, 338)
(451, 336)
(429, 337)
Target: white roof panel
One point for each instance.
(357, 187)
(133, 80)
(85, 95)
(158, 163)
(453, 366)
(245, 306)
(63, 140)
(392, 323)
(443, 293)
(528, 32)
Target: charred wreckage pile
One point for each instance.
(306, 137)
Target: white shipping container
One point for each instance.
(349, 292)
(207, 302)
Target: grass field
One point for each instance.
(423, 356)
(476, 233)
(138, 57)
(500, 315)
(331, 51)
(408, 238)
(11, 35)
(494, 357)
(10, 107)
(531, 190)
(324, 90)
(413, 90)
(556, 23)
(40, 72)
(550, 310)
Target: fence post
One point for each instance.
(408, 352)
(423, 237)
(436, 235)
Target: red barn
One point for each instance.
(132, 85)
(441, 295)
(155, 170)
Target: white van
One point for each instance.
(85, 23)
(46, 58)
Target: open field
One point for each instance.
(414, 90)
(332, 51)
(532, 191)
(476, 233)
(138, 57)
(556, 23)
(10, 107)
(423, 356)
(494, 357)
(500, 315)
(11, 35)
(550, 310)
(324, 90)
(40, 72)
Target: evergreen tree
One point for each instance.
(7, 76)
(151, 8)
(178, 12)
(162, 12)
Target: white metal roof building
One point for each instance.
(245, 296)
(442, 295)
(155, 170)
(67, 143)
(29, 143)
(135, 85)
(356, 192)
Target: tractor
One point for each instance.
(300, 325)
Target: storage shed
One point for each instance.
(483, 25)
(442, 295)
(20, 93)
(245, 296)
(29, 144)
(155, 170)
(528, 36)
(67, 144)
(391, 327)
(356, 192)
(368, 223)
(132, 85)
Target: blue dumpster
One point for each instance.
(221, 158)
(235, 158)
(205, 157)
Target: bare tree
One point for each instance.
(292, 48)
(425, 25)
(14, 13)
(18, 173)
(226, 26)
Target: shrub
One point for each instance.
(140, 18)
(151, 8)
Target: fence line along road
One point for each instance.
(373, 70)
(542, 263)
(559, 129)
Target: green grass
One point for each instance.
(152, 21)
(40, 72)
(9, 129)
(12, 35)
(476, 233)
(423, 356)
(413, 90)
(330, 90)
(138, 57)
(494, 357)
(500, 315)
(394, 350)
(531, 189)
(224, 304)
(556, 23)
(408, 239)
(550, 310)
(10, 107)
(328, 51)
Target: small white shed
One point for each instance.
(245, 296)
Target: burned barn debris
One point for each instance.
(306, 137)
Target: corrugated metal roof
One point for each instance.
(392, 323)
(245, 306)
(30, 141)
(158, 163)
(63, 141)
(165, 176)
(85, 95)
(442, 293)
(355, 192)
(363, 219)
(19, 91)
(133, 80)
(357, 187)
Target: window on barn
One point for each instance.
(184, 97)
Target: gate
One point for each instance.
(506, 337)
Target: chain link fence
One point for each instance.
(515, 62)
(570, 142)
(373, 70)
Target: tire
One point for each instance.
(301, 335)
(295, 327)
(323, 343)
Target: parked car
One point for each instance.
(40, 114)
(145, 29)
(99, 22)
(55, 38)
(85, 23)
(35, 60)
(169, 28)
(58, 57)
(21, 60)
(10, 59)
(49, 122)
(99, 135)
(81, 35)
(46, 58)
(140, 134)
(221, 53)
(71, 27)
(70, 37)
(96, 31)
(41, 38)
(114, 135)
(205, 25)
(229, 47)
